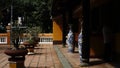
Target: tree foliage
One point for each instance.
(34, 13)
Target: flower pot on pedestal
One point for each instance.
(16, 51)
(35, 40)
(17, 57)
(29, 47)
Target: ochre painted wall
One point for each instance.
(57, 32)
(57, 29)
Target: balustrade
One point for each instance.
(43, 39)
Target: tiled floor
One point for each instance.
(73, 59)
(44, 57)
(49, 56)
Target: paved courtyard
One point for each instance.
(49, 56)
(44, 57)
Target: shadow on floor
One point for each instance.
(115, 64)
(39, 67)
(39, 53)
(39, 48)
(76, 52)
(36, 54)
(92, 63)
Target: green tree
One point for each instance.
(34, 12)
(38, 14)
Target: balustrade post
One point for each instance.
(8, 34)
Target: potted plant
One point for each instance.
(29, 44)
(32, 41)
(16, 51)
(34, 31)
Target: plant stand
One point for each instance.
(30, 51)
(17, 62)
(17, 58)
(29, 47)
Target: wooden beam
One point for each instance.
(93, 4)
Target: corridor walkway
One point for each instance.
(74, 60)
(49, 56)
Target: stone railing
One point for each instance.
(45, 38)
(3, 38)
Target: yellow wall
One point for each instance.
(57, 29)
(57, 32)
